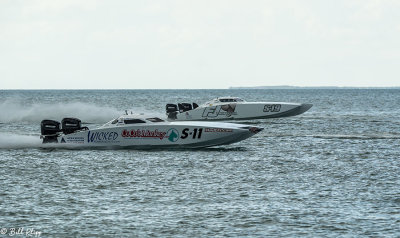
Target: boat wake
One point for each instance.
(16, 111)
(343, 137)
(12, 141)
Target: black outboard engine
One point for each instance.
(70, 125)
(171, 108)
(172, 111)
(50, 130)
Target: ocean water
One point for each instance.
(333, 171)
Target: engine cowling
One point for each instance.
(70, 125)
(49, 130)
(49, 127)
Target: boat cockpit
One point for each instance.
(224, 99)
(126, 120)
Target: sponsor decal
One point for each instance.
(229, 108)
(143, 134)
(211, 111)
(217, 130)
(102, 137)
(214, 111)
(76, 140)
(173, 135)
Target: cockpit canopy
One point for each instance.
(225, 99)
(129, 119)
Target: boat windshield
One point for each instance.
(231, 100)
(224, 99)
(133, 121)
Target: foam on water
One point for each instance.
(13, 141)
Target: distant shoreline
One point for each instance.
(311, 87)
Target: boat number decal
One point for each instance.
(272, 108)
(196, 133)
(173, 135)
(102, 137)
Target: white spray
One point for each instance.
(13, 141)
(15, 111)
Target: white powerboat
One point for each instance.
(233, 108)
(145, 132)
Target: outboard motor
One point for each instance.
(70, 125)
(172, 111)
(171, 108)
(50, 130)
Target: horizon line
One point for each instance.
(232, 87)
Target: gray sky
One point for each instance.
(198, 44)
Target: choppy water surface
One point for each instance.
(333, 171)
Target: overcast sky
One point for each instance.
(198, 44)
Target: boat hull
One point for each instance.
(242, 111)
(171, 135)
